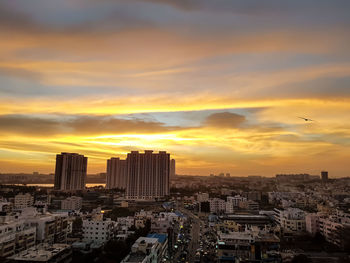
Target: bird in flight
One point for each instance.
(305, 119)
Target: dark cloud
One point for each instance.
(111, 125)
(14, 19)
(22, 19)
(19, 124)
(20, 73)
(39, 126)
(275, 7)
(225, 120)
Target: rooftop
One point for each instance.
(135, 257)
(40, 253)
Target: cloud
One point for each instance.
(17, 124)
(254, 7)
(20, 73)
(76, 125)
(180, 4)
(12, 18)
(225, 120)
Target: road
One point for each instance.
(195, 231)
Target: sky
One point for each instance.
(218, 84)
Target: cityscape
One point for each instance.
(140, 210)
(174, 131)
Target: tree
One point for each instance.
(116, 250)
(119, 212)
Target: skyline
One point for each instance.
(218, 85)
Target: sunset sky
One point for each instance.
(219, 84)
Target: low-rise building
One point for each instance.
(329, 226)
(249, 205)
(23, 200)
(44, 253)
(15, 235)
(50, 228)
(217, 205)
(251, 244)
(6, 206)
(145, 250)
(98, 230)
(233, 202)
(291, 220)
(202, 197)
(72, 203)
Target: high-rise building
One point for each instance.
(116, 173)
(172, 169)
(324, 176)
(70, 173)
(147, 175)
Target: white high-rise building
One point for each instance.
(147, 175)
(116, 173)
(70, 173)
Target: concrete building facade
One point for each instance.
(148, 175)
(116, 173)
(70, 172)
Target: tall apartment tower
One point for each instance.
(70, 173)
(116, 173)
(148, 175)
(172, 169)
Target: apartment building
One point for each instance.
(98, 229)
(15, 235)
(145, 249)
(291, 220)
(23, 200)
(72, 203)
(217, 205)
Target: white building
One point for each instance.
(98, 230)
(233, 202)
(23, 200)
(15, 235)
(127, 221)
(144, 250)
(217, 205)
(328, 226)
(50, 228)
(291, 220)
(72, 203)
(163, 221)
(202, 197)
(312, 223)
